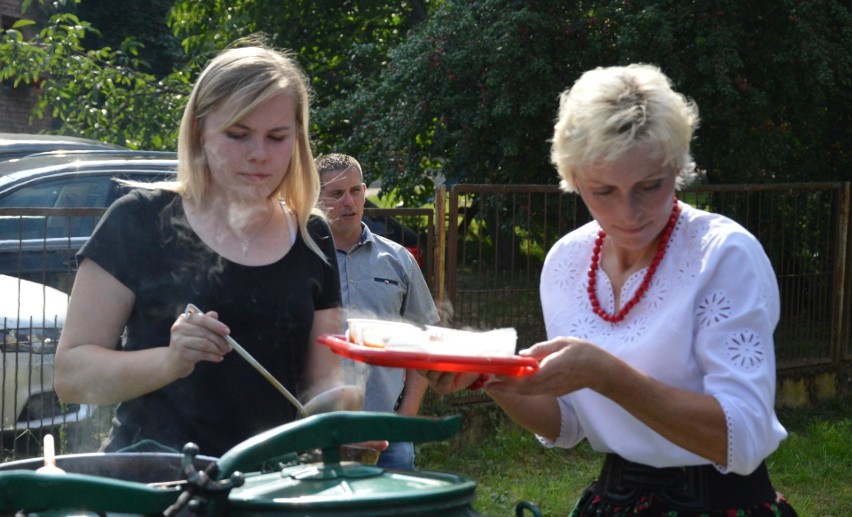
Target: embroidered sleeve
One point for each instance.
(736, 316)
(563, 279)
(570, 431)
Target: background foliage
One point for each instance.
(459, 90)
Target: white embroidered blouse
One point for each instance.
(704, 325)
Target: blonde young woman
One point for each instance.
(236, 236)
(660, 318)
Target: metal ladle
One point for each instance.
(339, 398)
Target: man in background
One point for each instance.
(379, 279)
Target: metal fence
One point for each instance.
(482, 256)
(497, 237)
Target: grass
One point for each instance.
(812, 468)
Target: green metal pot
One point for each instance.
(261, 476)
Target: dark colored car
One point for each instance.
(39, 245)
(17, 145)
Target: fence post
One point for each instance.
(840, 346)
(440, 250)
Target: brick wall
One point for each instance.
(16, 105)
(11, 8)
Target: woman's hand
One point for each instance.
(89, 368)
(195, 337)
(566, 364)
(448, 382)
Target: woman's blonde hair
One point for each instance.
(243, 78)
(609, 111)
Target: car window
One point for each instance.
(89, 193)
(71, 192)
(42, 195)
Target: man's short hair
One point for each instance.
(337, 162)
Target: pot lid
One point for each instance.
(351, 486)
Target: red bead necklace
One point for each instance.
(646, 282)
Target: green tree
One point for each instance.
(142, 20)
(127, 84)
(341, 45)
(104, 93)
(471, 95)
(771, 78)
(467, 90)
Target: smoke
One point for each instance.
(356, 373)
(446, 312)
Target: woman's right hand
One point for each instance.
(195, 337)
(566, 364)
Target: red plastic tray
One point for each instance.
(513, 366)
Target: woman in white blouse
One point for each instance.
(659, 317)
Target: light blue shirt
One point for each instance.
(380, 279)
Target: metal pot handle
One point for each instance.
(526, 505)
(328, 431)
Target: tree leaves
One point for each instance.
(466, 90)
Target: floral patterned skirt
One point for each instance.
(625, 488)
(592, 504)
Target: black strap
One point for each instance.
(698, 488)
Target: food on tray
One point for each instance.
(380, 334)
(440, 352)
(435, 340)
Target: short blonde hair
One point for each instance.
(611, 110)
(243, 78)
